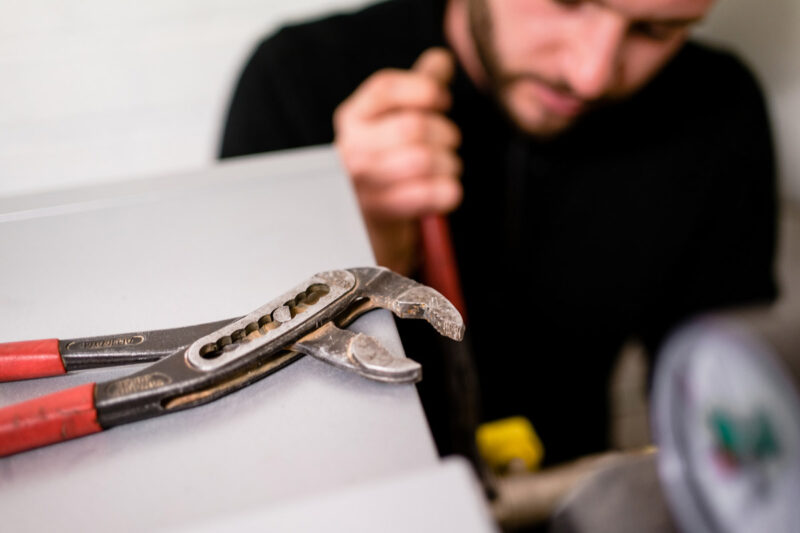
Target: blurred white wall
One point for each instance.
(767, 35)
(98, 90)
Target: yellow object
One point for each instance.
(508, 440)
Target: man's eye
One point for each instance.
(656, 32)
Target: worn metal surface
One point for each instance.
(358, 353)
(277, 323)
(242, 351)
(130, 348)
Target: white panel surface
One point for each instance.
(177, 251)
(446, 497)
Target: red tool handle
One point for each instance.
(53, 418)
(30, 359)
(439, 267)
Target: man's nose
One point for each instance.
(594, 57)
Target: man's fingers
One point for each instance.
(400, 129)
(424, 87)
(421, 128)
(407, 163)
(436, 63)
(439, 194)
(398, 146)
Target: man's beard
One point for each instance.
(498, 79)
(482, 31)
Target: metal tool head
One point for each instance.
(375, 288)
(305, 320)
(378, 287)
(358, 353)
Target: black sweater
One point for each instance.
(637, 217)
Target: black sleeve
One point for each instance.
(295, 79)
(258, 119)
(729, 260)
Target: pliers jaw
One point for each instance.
(382, 288)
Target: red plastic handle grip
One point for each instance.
(439, 267)
(30, 359)
(53, 418)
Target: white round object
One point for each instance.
(726, 419)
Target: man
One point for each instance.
(604, 179)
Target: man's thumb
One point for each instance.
(436, 63)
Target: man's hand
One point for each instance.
(399, 150)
